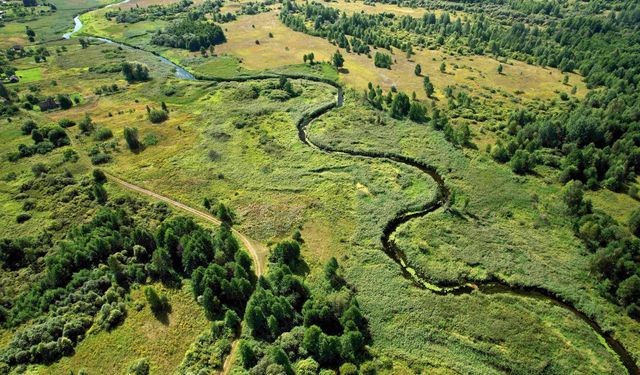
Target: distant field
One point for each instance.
(146, 3)
(357, 6)
(287, 47)
(249, 40)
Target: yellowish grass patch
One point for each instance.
(288, 47)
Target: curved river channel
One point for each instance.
(493, 286)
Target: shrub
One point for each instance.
(139, 367)
(99, 177)
(44, 147)
(70, 155)
(22, 217)
(29, 205)
(232, 321)
(103, 134)
(28, 127)
(634, 222)
(522, 162)
(382, 60)
(111, 314)
(158, 304)
(100, 158)
(64, 101)
(150, 140)
(86, 124)
(57, 136)
(157, 116)
(135, 71)
(279, 95)
(348, 369)
(99, 193)
(39, 169)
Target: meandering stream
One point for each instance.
(492, 286)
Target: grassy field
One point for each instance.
(513, 227)
(142, 335)
(357, 6)
(474, 72)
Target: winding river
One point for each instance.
(492, 286)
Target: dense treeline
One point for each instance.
(152, 12)
(189, 34)
(171, 11)
(89, 273)
(296, 331)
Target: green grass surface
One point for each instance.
(513, 227)
(142, 335)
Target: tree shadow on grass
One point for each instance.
(163, 316)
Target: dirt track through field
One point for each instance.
(256, 250)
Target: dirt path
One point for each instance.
(257, 250)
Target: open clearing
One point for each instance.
(475, 72)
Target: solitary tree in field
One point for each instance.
(338, 60)
(500, 68)
(443, 67)
(131, 136)
(428, 86)
(158, 304)
(418, 70)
